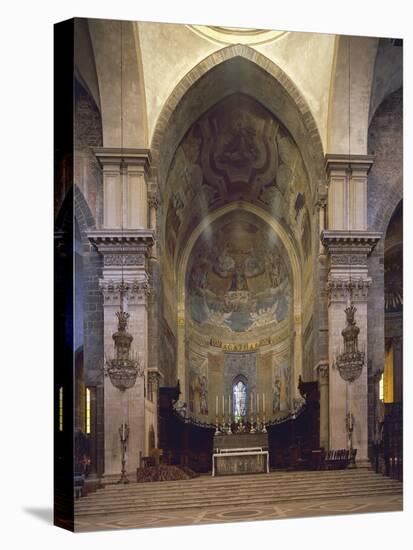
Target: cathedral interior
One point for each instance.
(236, 207)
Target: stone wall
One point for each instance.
(385, 190)
(88, 200)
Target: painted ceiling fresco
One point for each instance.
(237, 151)
(237, 278)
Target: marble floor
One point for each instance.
(288, 509)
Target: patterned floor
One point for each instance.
(313, 508)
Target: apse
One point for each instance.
(238, 253)
(239, 318)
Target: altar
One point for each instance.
(240, 453)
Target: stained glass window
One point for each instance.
(239, 399)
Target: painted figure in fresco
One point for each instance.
(225, 263)
(253, 266)
(238, 280)
(276, 397)
(191, 391)
(286, 377)
(199, 275)
(275, 270)
(241, 148)
(203, 395)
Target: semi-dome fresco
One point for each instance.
(237, 151)
(237, 279)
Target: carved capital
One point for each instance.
(322, 372)
(154, 377)
(134, 291)
(321, 203)
(124, 252)
(339, 289)
(154, 200)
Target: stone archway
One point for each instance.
(301, 119)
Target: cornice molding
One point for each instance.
(342, 162)
(339, 239)
(119, 239)
(128, 157)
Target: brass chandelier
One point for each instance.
(125, 366)
(351, 361)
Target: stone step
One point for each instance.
(112, 508)
(240, 490)
(206, 491)
(181, 488)
(247, 480)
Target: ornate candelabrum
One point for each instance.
(124, 436)
(350, 363)
(123, 369)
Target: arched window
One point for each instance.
(239, 397)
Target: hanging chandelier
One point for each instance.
(125, 366)
(351, 361)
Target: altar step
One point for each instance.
(233, 491)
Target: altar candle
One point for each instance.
(229, 406)
(216, 405)
(258, 403)
(263, 403)
(223, 405)
(123, 431)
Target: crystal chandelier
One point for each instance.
(350, 362)
(125, 366)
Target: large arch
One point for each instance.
(211, 80)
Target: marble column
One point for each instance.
(125, 254)
(322, 372)
(347, 253)
(347, 244)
